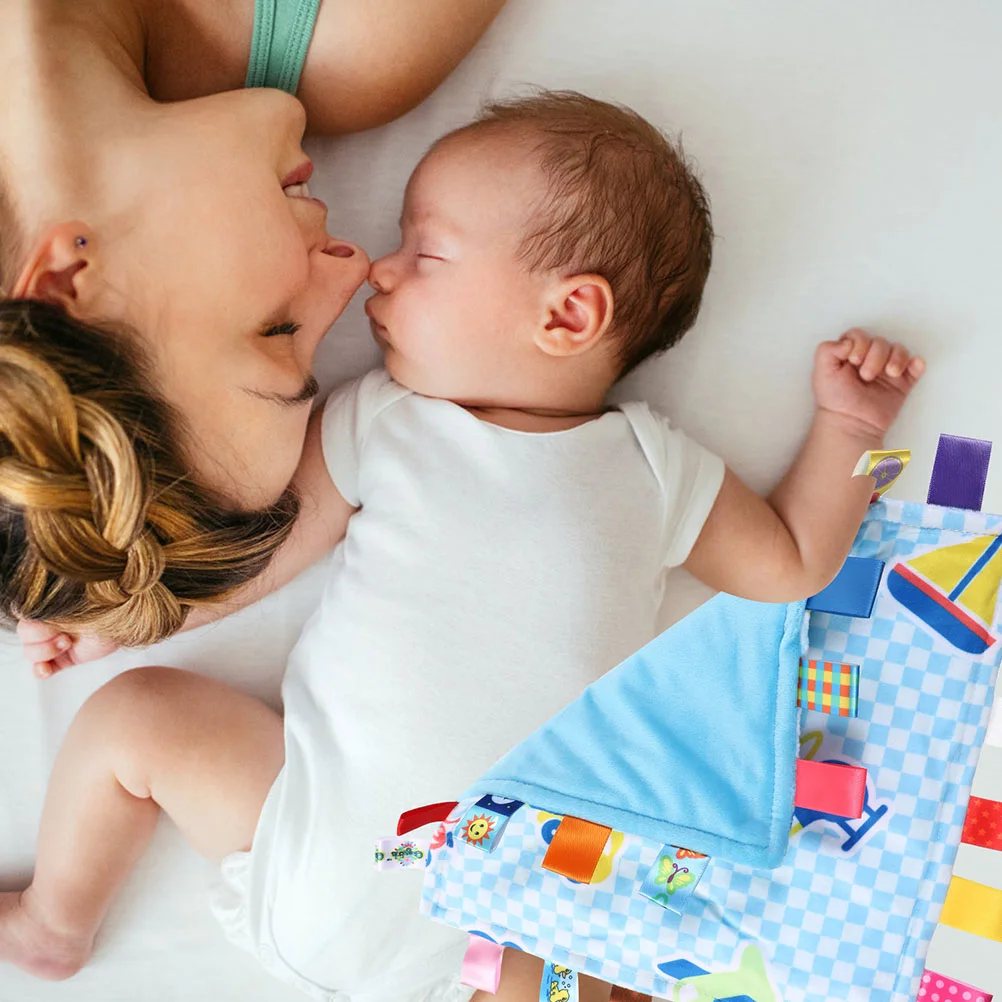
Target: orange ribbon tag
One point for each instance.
(576, 849)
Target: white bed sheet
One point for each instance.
(852, 152)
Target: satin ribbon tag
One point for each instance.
(484, 823)
(853, 591)
(974, 908)
(829, 687)
(500, 805)
(885, 466)
(482, 964)
(558, 984)
(983, 823)
(576, 848)
(418, 817)
(959, 472)
(940, 988)
(830, 788)
(673, 877)
(396, 853)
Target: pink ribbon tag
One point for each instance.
(939, 988)
(482, 964)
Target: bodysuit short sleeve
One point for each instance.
(348, 417)
(690, 477)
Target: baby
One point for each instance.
(504, 539)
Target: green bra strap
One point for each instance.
(282, 33)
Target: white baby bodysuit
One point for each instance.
(487, 578)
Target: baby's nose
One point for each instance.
(379, 276)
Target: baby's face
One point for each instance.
(455, 312)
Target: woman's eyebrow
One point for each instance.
(310, 389)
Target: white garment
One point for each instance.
(488, 576)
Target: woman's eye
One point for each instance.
(289, 327)
(431, 257)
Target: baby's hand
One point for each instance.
(864, 379)
(50, 651)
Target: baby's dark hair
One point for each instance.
(622, 202)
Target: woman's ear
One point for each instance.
(55, 269)
(579, 312)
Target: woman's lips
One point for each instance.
(294, 185)
(300, 175)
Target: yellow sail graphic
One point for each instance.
(949, 566)
(954, 590)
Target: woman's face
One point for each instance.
(226, 271)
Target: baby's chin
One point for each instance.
(413, 379)
(397, 370)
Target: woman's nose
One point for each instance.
(341, 248)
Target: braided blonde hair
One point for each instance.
(101, 528)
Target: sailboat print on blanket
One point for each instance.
(953, 590)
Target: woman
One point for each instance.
(167, 279)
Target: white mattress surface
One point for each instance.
(852, 152)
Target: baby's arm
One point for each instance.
(322, 523)
(790, 545)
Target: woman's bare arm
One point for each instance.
(372, 61)
(369, 62)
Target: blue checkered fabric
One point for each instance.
(849, 913)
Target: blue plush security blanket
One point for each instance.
(692, 741)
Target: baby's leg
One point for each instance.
(520, 977)
(150, 738)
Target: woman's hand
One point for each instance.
(50, 650)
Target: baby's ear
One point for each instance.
(578, 315)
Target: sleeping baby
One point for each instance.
(501, 536)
